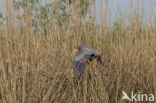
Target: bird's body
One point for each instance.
(82, 55)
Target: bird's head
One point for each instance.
(76, 50)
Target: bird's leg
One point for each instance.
(100, 61)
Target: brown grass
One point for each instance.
(37, 69)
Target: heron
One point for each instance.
(83, 55)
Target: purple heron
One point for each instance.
(82, 55)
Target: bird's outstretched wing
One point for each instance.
(78, 68)
(79, 62)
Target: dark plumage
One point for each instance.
(81, 56)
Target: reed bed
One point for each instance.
(36, 68)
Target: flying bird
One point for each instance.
(82, 55)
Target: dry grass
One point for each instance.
(36, 69)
